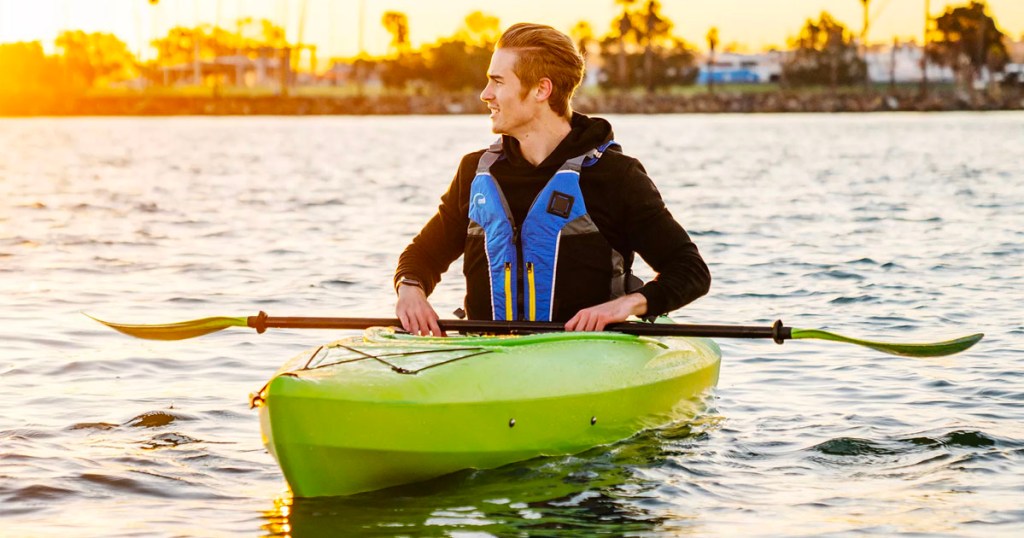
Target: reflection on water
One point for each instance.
(590, 493)
(887, 227)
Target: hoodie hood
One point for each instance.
(587, 133)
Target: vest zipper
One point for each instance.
(508, 291)
(533, 291)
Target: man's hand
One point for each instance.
(596, 317)
(415, 312)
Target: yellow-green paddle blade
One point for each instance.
(177, 331)
(937, 349)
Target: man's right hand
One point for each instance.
(415, 312)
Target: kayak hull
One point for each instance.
(339, 422)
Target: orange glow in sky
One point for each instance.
(333, 25)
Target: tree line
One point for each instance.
(964, 38)
(638, 50)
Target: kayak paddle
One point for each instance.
(777, 332)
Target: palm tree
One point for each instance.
(625, 27)
(397, 24)
(583, 34)
(712, 43)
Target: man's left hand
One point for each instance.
(597, 317)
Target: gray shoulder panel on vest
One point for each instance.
(575, 164)
(489, 157)
(582, 224)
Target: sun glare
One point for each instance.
(344, 27)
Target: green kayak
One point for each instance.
(385, 409)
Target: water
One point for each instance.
(892, 227)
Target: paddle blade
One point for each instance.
(177, 331)
(936, 349)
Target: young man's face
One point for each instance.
(510, 111)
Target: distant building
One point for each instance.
(1014, 71)
(266, 69)
(901, 64)
(346, 72)
(1016, 50)
(735, 68)
(594, 64)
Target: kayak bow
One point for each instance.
(386, 409)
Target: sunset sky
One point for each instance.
(333, 24)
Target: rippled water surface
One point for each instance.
(896, 227)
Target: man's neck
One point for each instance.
(542, 138)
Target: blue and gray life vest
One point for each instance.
(523, 261)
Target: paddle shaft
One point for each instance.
(198, 327)
(776, 332)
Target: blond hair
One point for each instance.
(543, 52)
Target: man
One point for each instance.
(549, 217)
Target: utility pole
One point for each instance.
(196, 76)
(362, 26)
(284, 53)
(238, 46)
(892, 65)
(302, 30)
(924, 49)
(864, 45)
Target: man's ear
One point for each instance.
(542, 91)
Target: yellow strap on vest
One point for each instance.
(508, 292)
(533, 291)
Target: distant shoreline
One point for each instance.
(723, 101)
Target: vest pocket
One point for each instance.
(478, 279)
(584, 274)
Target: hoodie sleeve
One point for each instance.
(443, 238)
(663, 243)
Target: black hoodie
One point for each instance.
(620, 197)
